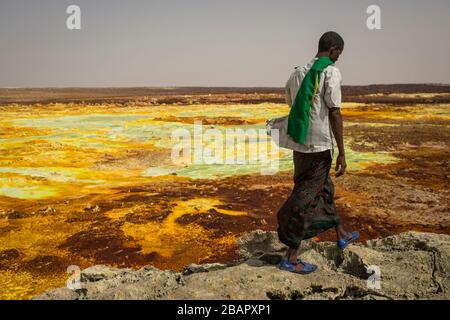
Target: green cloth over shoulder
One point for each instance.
(298, 122)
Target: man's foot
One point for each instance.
(297, 267)
(349, 237)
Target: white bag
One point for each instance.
(277, 129)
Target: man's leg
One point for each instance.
(340, 232)
(292, 255)
(329, 188)
(299, 170)
(295, 217)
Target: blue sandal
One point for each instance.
(343, 243)
(290, 266)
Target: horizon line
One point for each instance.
(232, 87)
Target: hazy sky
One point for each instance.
(217, 43)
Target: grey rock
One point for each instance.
(258, 242)
(197, 268)
(58, 294)
(411, 265)
(101, 272)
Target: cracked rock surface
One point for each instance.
(410, 265)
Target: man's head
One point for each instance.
(332, 45)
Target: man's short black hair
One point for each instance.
(330, 39)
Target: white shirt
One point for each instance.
(320, 136)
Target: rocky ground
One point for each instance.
(411, 265)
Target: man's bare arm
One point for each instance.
(338, 132)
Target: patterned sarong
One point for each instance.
(310, 209)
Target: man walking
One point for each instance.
(314, 127)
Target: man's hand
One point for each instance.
(338, 131)
(341, 165)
